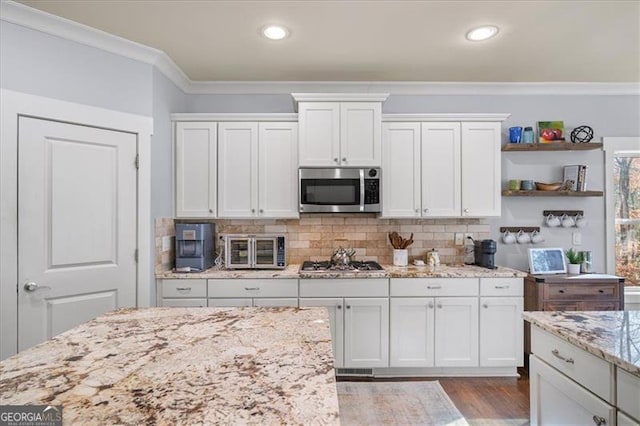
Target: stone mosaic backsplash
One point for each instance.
(317, 236)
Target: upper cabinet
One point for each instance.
(196, 160)
(441, 169)
(340, 130)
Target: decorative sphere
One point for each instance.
(581, 134)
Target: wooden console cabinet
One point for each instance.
(570, 293)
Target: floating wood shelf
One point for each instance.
(553, 146)
(552, 193)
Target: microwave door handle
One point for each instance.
(361, 190)
(252, 252)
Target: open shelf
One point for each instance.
(552, 146)
(552, 193)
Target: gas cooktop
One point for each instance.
(354, 266)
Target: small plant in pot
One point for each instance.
(575, 259)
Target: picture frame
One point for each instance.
(547, 261)
(550, 131)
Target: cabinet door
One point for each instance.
(238, 169)
(481, 169)
(441, 169)
(319, 133)
(196, 158)
(336, 320)
(401, 170)
(456, 332)
(366, 333)
(557, 400)
(278, 170)
(360, 134)
(501, 332)
(412, 338)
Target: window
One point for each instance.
(622, 168)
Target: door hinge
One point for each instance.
(135, 255)
(137, 161)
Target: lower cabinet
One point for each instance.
(501, 331)
(359, 322)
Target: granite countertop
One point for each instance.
(183, 366)
(293, 271)
(610, 335)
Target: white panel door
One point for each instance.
(196, 159)
(456, 332)
(481, 166)
(412, 332)
(360, 134)
(278, 169)
(501, 332)
(366, 332)
(335, 307)
(76, 227)
(238, 169)
(441, 169)
(319, 134)
(401, 170)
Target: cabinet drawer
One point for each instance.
(240, 288)
(358, 287)
(581, 291)
(628, 392)
(184, 288)
(184, 303)
(501, 287)
(592, 372)
(425, 287)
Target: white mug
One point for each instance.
(567, 221)
(508, 237)
(552, 221)
(581, 222)
(523, 237)
(536, 237)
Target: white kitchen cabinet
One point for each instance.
(412, 332)
(557, 400)
(501, 331)
(257, 170)
(359, 312)
(181, 292)
(441, 169)
(184, 303)
(456, 332)
(346, 134)
(196, 165)
(481, 165)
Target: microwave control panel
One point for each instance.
(371, 191)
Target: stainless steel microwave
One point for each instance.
(243, 251)
(340, 190)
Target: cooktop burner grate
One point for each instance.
(354, 266)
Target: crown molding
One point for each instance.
(340, 97)
(446, 117)
(19, 14)
(234, 117)
(26, 16)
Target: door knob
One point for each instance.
(31, 287)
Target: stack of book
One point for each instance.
(577, 174)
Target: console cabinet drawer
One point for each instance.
(580, 291)
(184, 288)
(241, 288)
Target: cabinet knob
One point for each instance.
(485, 306)
(430, 305)
(466, 210)
(439, 305)
(344, 159)
(210, 210)
(261, 211)
(348, 306)
(599, 420)
(338, 306)
(335, 159)
(253, 210)
(426, 210)
(417, 210)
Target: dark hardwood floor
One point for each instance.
(483, 400)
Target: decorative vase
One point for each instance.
(573, 268)
(400, 257)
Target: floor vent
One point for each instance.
(354, 372)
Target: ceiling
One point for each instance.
(539, 41)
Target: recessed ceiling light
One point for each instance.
(482, 33)
(275, 32)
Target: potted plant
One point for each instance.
(575, 259)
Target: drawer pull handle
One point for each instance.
(599, 420)
(183, 288)
(556, 353)
(252, 288)
(434, 287)
(502, 286)
(601, 291)
(560, 291)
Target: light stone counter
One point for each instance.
(452, 271)
(183, 366)
(611, 335)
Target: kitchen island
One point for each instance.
(183, 366)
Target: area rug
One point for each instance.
(396, 403)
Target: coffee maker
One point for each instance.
(485, 253)
(195, 246)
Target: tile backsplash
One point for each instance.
(317, 236)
